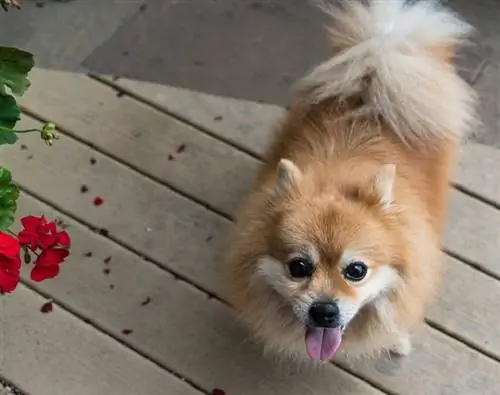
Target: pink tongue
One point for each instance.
(321, 343)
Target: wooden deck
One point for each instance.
(157, 323)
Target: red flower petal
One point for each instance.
(9, 245)
(47, 240)
(218, 391)
(28, 238)
(10, 264)
(38, 233)
(8, 281)
(52, 257)
(63, 239)
(32, 223)
(98, 201)
(50, 227)
(41, 273)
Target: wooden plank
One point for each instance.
(202, 352)
(144, 138)
(468, 307)
(136, 211)
(132, 202)
(206, 166)
(244, 123)
(477, 171)
(473, 226)
(248, 125)
(432, 369)
(181, 328)
(473, 231)
(57, 354)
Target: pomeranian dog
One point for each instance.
(337, 246)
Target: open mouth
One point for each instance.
(323, 343)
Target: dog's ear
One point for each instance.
(287, 178)
(383, 184)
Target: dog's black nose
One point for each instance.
(324, 314)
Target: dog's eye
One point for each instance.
(300, 268)
(355, 271)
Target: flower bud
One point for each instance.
(27, 256)
(47, 133)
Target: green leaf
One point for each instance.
(9, 112)
(7, 216)
(7, 137)
(9, 193)
(15, 65)
(5, 177)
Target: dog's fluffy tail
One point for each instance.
(396, 57)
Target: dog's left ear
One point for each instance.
(287, 177)
(383, 184)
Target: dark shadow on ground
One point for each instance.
(246, 49)
(238, 48)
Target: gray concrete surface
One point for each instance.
(246, 49)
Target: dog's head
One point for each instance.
(332, 250)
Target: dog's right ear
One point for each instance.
(287, 178)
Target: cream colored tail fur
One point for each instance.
(396, 56)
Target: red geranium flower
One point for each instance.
(10, 263)
(47, 264)
(41, 273)
(38, 233)
(52, 257)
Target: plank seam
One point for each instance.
(469, 192)
(113, 157)
(456, 336)
(125, 246)
(471, 345)
(180, 277)
(455, 184)
(172, 114)
(209, 207)
(9, 388)
(222, 214)
(368, 381)
(94, 325)
(468, 262)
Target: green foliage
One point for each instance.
(15, 65)
(9, 112)
(9, 193)
(14, 68)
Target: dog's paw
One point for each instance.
(403, 347)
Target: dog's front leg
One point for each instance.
(402, 347)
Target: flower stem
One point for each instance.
(4, 129)
(27, 131)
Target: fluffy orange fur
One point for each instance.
(340, 180)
